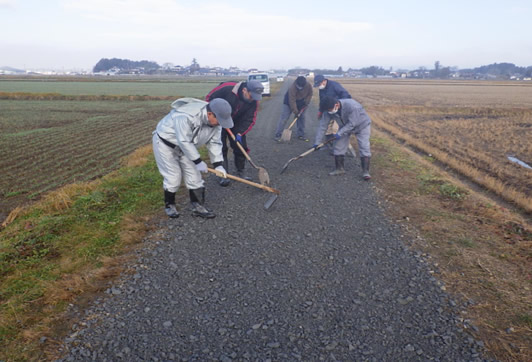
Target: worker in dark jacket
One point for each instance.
(330, 88)
(333, 89)
(244, 99)
(296, 100)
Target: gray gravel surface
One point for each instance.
(321, 276)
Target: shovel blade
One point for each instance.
(270, 201)
(264, 178)
(286, 135)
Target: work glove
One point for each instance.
(202, 167)
(222, 170)
(337, 136)
(238, 137)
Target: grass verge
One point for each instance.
(69, 243)
(481, 251)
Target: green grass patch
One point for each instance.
(466, 242)
(14, 193)
(404, 162)
(525, 319)
(452, 192)
(46, 244)
(101, 88)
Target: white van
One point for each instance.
(264, 79)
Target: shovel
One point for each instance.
(287, 133)
(306, 153)
(352, 150)
(268, 203)
(264, 178)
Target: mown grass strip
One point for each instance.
(65, 97)
(66, 244)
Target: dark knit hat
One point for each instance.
(327, 103)
(301, 81)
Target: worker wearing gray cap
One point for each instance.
(190, 124)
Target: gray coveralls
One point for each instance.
(352, 119)
(186, 126)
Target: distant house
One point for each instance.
(112, 71)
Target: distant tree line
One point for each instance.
(495, 70)
(502, 70)
(105, 65)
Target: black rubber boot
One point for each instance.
(224, 181)
(364, 163)
(197, 199)
(339, 162)
(240, 164)
(169, 204)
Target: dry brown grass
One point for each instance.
(139, 157)
(480, 250)
(469, 126)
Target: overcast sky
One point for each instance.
(75, 34)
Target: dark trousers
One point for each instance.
(240, 159)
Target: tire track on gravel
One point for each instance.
(322, 275)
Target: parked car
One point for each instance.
(264, 79)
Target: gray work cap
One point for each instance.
(222, 110)
(255, 88)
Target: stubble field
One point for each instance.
(471, 127)
(54, 133)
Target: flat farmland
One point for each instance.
(190, 88)
(49, 143)
(471, 127)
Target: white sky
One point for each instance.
(75, 34)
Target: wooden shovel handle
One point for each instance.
(293, 122)
(251, 183)
(295, 119)
(240, 146)
(313, 149)
(317, 148)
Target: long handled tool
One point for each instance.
(287, 133)
(268, 203)
(306, 153)
(352, 150)
(264, 178)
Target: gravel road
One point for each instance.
(321, 276)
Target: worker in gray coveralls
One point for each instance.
(334, 89)
(191, 123)
(352, 119)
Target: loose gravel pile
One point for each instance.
(321, 276)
